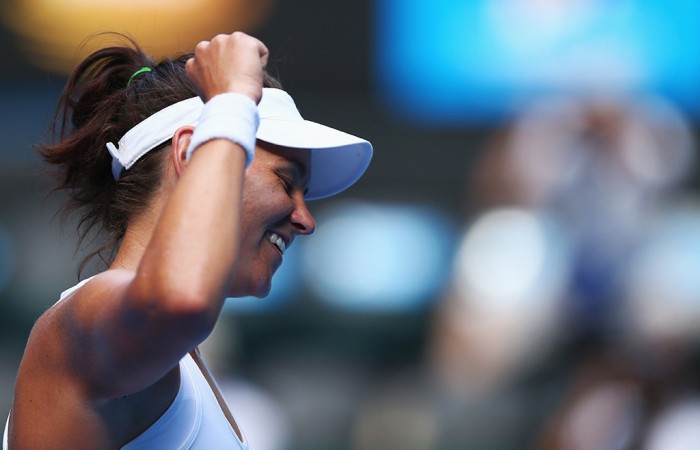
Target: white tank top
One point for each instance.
(194, 420)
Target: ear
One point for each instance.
(178, 149)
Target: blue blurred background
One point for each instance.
(520, 266)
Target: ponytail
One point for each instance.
(99, 104)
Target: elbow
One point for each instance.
(190, 308)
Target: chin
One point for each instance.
(256, 282)
(260, 289)
(263, 291)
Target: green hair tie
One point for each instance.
(141, 70)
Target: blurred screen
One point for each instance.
(456, 61)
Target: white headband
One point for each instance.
(338, 159)
(152, 132)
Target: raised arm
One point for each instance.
(125, 329)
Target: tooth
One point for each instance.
(280, 243)
(276, 240)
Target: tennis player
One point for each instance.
(197, 171)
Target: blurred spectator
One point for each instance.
(609, 172)
(572, 303)
(603, 167)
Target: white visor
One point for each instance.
(338, 159)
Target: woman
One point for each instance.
(199, 199)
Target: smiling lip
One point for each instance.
(278, 241)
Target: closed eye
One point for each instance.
(288, 184)
(287, 179)
(292, 178)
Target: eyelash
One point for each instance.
(289, 182)
(288, 185)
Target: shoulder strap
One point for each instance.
(197, 357)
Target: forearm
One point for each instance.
(187, 266)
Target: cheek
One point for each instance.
(270, 213)
(257, 204)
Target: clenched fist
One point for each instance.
(228, 63)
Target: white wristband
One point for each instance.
(228, 116)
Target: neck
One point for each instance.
(136, 238)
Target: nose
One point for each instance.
(301, 217)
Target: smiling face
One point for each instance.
(273, 213)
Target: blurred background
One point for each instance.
(520, 266)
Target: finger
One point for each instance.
(201, 47)
(220, 39)
(264, 53)
(190, 70)
(189, 66)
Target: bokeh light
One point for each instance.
(510, 276)
(663, 281)
(677, 427)
(486, 57)
(54, 32)
(378, 257)
(512, 260)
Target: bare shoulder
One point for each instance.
(59, 344)
(56, 335)
(78, 308)
(55, 382)
(110, 338)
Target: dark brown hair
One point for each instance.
(99, 104)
